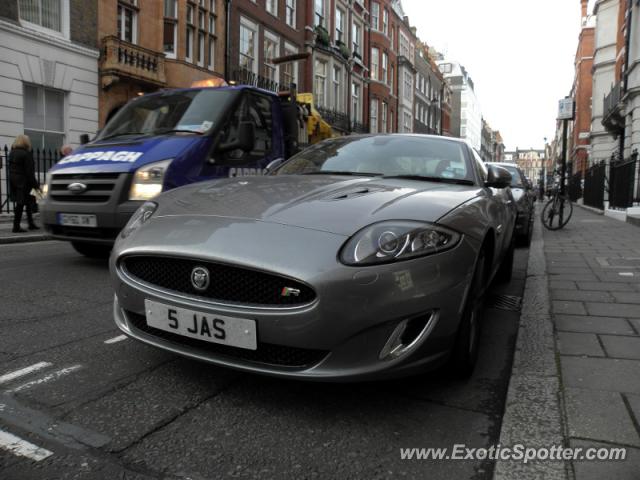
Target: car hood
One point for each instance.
(334, 204)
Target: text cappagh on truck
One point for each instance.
(165, 140)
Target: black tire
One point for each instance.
(556, 218)
(91, 250)
(525, 239)
(505, 272)
(464, 355)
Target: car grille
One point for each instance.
(227, 284)
(266, 353)
(100, 186)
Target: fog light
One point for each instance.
(407, 336)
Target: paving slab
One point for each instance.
(570, 343)
(627, 297)
(569, 308)
(621, 346)
(580, 295)
(612, 309)
(588, 324)
(599, 415)
(606, 286)
(601, 374)
(606, 470)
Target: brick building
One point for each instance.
(260, 33)
(405, 43)
(150, 44)
(429, 93)
(582, 92)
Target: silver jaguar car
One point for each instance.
(361, 258)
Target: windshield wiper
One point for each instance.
(176, 130)
(455, 181)
(337, 172)
(113, 135)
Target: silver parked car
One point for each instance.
(523, 195)
(362, 257)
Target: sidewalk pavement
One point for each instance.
(7, 236)
(576, 371)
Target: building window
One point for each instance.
(385, 67)
(320, 83)
(373, 115)
(127, 23)
(375, 15)
(392, 76)
(356, 38)
(339, 25)
(44, 116)
(385, 112)
(290, 13)
(170, 35)
(375, 64)
(337, 82)
(408, 85)
(289, 69)
(418, 111)
(355, 102)
(248, 45)
(392, 37)
(212, 6)
(44, 13)
(385, 21)
(271, 51)
(405, 49)
(212, 24)
(319, 12)
(272, 7)
(212, 52)
(201, 36)
(407, 122)
(446, 68)
(201, 20)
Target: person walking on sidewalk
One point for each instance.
(22, 179)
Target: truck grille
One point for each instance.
(227, 283)
(266, 353)
(99, 187)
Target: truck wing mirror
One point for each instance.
(245, 139)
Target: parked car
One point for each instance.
(525, 198)
(362, 257)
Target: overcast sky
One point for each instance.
(519, 54)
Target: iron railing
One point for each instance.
(575, 187)
(594, 185)
(44, 159)
(243, 76)
(624, 182)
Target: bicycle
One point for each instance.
(557, 212)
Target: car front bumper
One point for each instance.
(341, 333)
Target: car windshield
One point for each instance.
(188, 111)
(388, 155)
(516, 179)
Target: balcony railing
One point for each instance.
(613, 118)
(120, 58)
(242, 76)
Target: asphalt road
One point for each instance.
(100, 406)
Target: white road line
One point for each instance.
(21, 447)
(117, 339)
(51, 376)
(23, 371)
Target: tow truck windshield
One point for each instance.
(181, 112)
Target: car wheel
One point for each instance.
(505, 271)
(91, 250)
(465, 350)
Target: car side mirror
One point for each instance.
(273, 165)
(498, 177)
(245, 139)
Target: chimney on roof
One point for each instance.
(584, 5)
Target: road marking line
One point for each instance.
(21, 447)
(51, 376)
(117, 339)
(23, 371)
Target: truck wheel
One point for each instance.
(92, 250)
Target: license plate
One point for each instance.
(235, 332)
(77, 220)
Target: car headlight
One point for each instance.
(45, 187)
(395, 241)
(139, 218)
(148, 180)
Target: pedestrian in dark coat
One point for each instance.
(22, 179)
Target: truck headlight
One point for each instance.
(139, 218)
(393, 241)
(148, 180)
(45, 187)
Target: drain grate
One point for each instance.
(510, 303)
